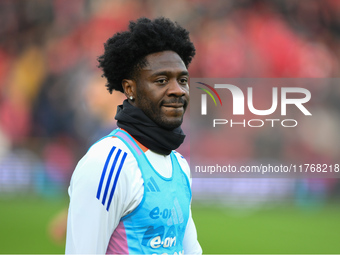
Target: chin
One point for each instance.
(170, 125)
(167, 121)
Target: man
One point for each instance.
(130, 194)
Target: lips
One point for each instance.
(174, 105)
(178, 103)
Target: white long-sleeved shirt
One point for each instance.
(90, 225)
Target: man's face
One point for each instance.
(162, 89)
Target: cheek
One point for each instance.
(186, 90)
(155, 98)
(151, 104)
(187, 95)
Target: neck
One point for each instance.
(147, 132)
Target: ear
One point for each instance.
(129, 87)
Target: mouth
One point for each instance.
(174, 105)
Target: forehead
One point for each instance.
(164, 61)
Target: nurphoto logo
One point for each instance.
(295, 96)
(264, 127)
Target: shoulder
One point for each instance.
(106, 149)
(104, 163)
(102, 153)
(184, 164)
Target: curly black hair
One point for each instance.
(125, 52)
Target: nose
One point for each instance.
(177, 89)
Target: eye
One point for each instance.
(183, 81)
(161, 81)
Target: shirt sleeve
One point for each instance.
(190, 242)
(100, 194)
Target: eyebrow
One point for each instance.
(168, 73)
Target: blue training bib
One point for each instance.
(158, 224)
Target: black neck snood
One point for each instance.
(145, 131)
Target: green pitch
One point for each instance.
(284, 230)
(287, 229)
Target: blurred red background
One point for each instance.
(53, 102)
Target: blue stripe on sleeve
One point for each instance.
(104, 171)
(115, 181)
(110, 175)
